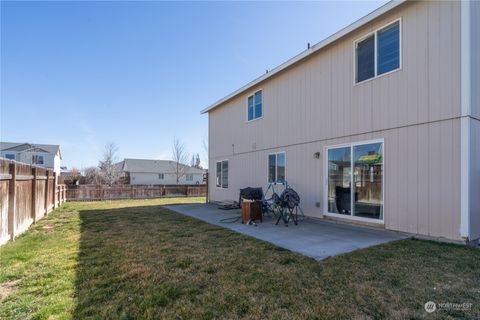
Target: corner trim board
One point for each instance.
(465, 120)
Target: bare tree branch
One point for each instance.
(109, 170)
(180, 159)
(72, 176)
(205, 150)
(92, 176)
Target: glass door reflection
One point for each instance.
(368, 178)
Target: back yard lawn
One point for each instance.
(135, 259)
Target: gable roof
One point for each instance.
(153, 166)
(313, 49)
(19, 147)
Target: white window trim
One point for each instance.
(163, 176)
(10, 154)
(248, 96)
(325, 191)
(276, 167)
(220, 187)
(374, 33)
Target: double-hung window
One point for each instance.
(189, 177)
(254, 106)
(378, 53)
(222, 174)
(37, 159)
(161, 176)
(276, 167)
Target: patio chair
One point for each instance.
(289, 203)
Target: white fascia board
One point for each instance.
(352, 27)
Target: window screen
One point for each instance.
(276, 168)
(388, 48)
(272, 166)
(379, 53)
(224, 174)
(366, 59)
(254, 106)
(250, 108)
(219, 174)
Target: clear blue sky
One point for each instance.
(81, 74)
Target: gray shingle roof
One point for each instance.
(153, 166)
(17, 146)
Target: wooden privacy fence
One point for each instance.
(100, 192)
(27, 194)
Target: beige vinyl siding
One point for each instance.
(317, 99)
(475, 56)
(422, 176)
(315, 104)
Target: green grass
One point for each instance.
(135, 259)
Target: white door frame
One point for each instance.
(352, 198)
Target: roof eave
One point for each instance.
(343, 32)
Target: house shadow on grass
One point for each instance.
(121, 269)
(151, 263)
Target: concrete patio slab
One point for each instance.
(318, 239)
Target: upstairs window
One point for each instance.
(254, 106)
(37, 159)
(161, 176)
(378, 53)
(189, 177)
(276, 167)
(10, 156)
(222, 174)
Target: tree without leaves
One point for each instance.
(91, 176)
(197, 162)
(72, 176)
(109, 170)
(180, 159)
(205, 150)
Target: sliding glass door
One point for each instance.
(339, 180)
(355, 180)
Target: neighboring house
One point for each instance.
(151, 172)
(44, 155)
(378, 124)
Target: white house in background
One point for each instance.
(43, 155)
(150, 172)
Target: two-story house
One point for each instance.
(378, 124)
(44, 155)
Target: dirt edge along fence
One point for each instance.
(27, 194)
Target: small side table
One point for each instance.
(251, 210)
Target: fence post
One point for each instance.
(34, 195)
(46, 191)
(12, 190)
(54, 190)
